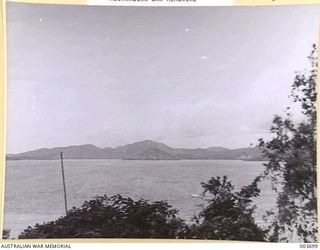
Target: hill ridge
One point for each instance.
(141, 150)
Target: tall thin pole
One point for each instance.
(64, 184)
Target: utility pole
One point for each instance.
(64, 184)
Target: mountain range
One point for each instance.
(143, 150)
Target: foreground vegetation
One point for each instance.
(292, 165)
(228, 215)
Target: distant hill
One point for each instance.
(87, 151)
(143, 150)
(151, 154)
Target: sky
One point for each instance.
(185, 76)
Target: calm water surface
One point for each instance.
(34, 192)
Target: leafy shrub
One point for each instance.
(6, 233)
(114, 217)
(292, 163)
(228, 215)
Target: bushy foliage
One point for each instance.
(229, 214)
(114, 217)
(291, 164)
(6, 233)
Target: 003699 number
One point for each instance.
(309, 246)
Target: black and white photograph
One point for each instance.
(161, 122)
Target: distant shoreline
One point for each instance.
(142, 150)
(86, 159)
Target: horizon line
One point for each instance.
(103, 147)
